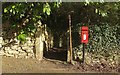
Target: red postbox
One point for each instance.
(84, 34)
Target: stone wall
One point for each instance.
(13, 48)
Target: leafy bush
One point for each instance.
(102, 39)
(22, 37)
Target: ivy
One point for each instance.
(102, 38)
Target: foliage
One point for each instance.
(24, 16)
(104, 37)
(102, 18)
(22, 37)
(104, 41)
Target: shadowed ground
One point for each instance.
(56, 54)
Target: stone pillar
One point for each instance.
(39, 43)
(0, 56)
(39, 48)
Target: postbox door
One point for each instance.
(84, 37)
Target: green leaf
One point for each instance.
(39, 17)
(21, 37)
(48, 12)
(34, 19)
(46, 9)
(14, 25)
(13, 6)
(96, 10)
(14, 12)
(10, 10)
(5, 10)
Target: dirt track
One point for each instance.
(14, 65)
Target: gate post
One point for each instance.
(69, 58)
(39, 43)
